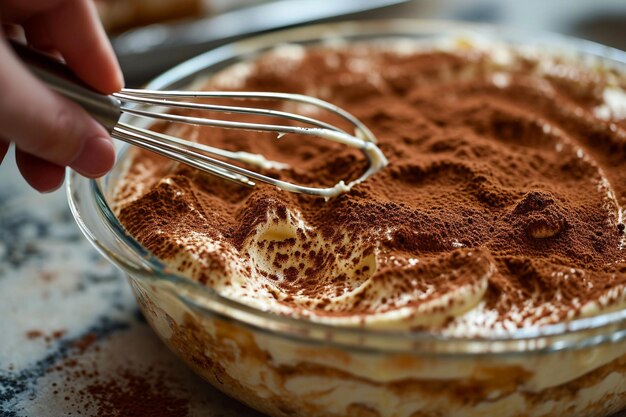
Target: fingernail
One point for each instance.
(52, 189)
(96, 158)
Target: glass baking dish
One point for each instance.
(286, 366)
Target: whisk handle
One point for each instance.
(56, 75)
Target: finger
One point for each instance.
(73, 28)
(39, 39)
(47, 125)
(90, 56)
(97, 157)
(37, 36)
(18, 11)
(42, 175)
(13, 32)
(4, 147)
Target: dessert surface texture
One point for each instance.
(500, 209)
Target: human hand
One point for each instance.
(49, 131)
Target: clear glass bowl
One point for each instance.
(292, 367)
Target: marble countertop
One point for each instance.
(72, 340)
(69, 325)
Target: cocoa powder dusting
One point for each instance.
(493, 172)
(133, 395)
(122, 392)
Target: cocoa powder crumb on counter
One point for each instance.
(47, 338)
(34, 334)
(85, 342)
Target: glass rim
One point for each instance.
(539, 338)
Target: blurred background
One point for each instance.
(152, 35)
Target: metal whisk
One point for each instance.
(109, 109)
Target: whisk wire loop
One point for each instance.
(145, 104)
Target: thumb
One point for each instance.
(46, 125)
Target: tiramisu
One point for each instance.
(500, 210)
